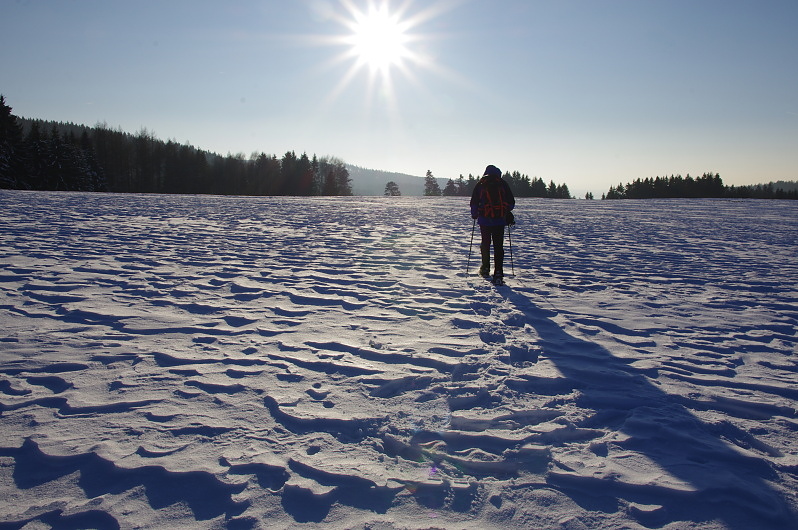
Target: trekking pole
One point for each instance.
(510, 237)
(468, 262)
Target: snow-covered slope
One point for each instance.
(207, 362)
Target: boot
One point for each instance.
(484, 269)
(498, 271)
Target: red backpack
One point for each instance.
(492, 200)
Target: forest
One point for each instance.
(707, 186)
(47, 155)
(43, 155)
(521, 186)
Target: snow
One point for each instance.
(211, 362)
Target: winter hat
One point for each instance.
(492, 171)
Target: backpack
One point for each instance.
(492, 200)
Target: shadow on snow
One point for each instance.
(709, 479)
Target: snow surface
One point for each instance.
(210, 362)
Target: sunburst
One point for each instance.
(380, 40)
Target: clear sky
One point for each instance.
(588, 93)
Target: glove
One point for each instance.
(474, 216)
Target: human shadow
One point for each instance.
(702, 478)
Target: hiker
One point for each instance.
(491, 202)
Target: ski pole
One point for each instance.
(468, 262)
(510, 237)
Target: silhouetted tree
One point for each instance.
(708, 185)
(392, 189)
(304, 177)
(450, 190)
(265, 174)
(431, 187)
(336, 177)
(11, 157)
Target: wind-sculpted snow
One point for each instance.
(207, 362)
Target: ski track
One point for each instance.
(238, 362)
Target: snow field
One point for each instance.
(205, 362)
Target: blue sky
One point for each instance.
(584, 92)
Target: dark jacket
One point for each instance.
(478, 203)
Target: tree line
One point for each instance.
(706, 186)
(520, 185)
(44, 155)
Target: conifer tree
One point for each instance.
(450, 190)
(10, 146)
(431, 187)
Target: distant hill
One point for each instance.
(373, 181)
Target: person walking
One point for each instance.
(491, 202)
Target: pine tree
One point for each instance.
(287, 173)
(304, 176)
(431, 187)
(538, 188)
(10, 147)
(463, 189)
(451, 189)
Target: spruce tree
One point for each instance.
(10, 147)
(431, 187)
(451, 189)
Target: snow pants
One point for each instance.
(494, 234)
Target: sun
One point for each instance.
(383, 42)
(379, 38)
